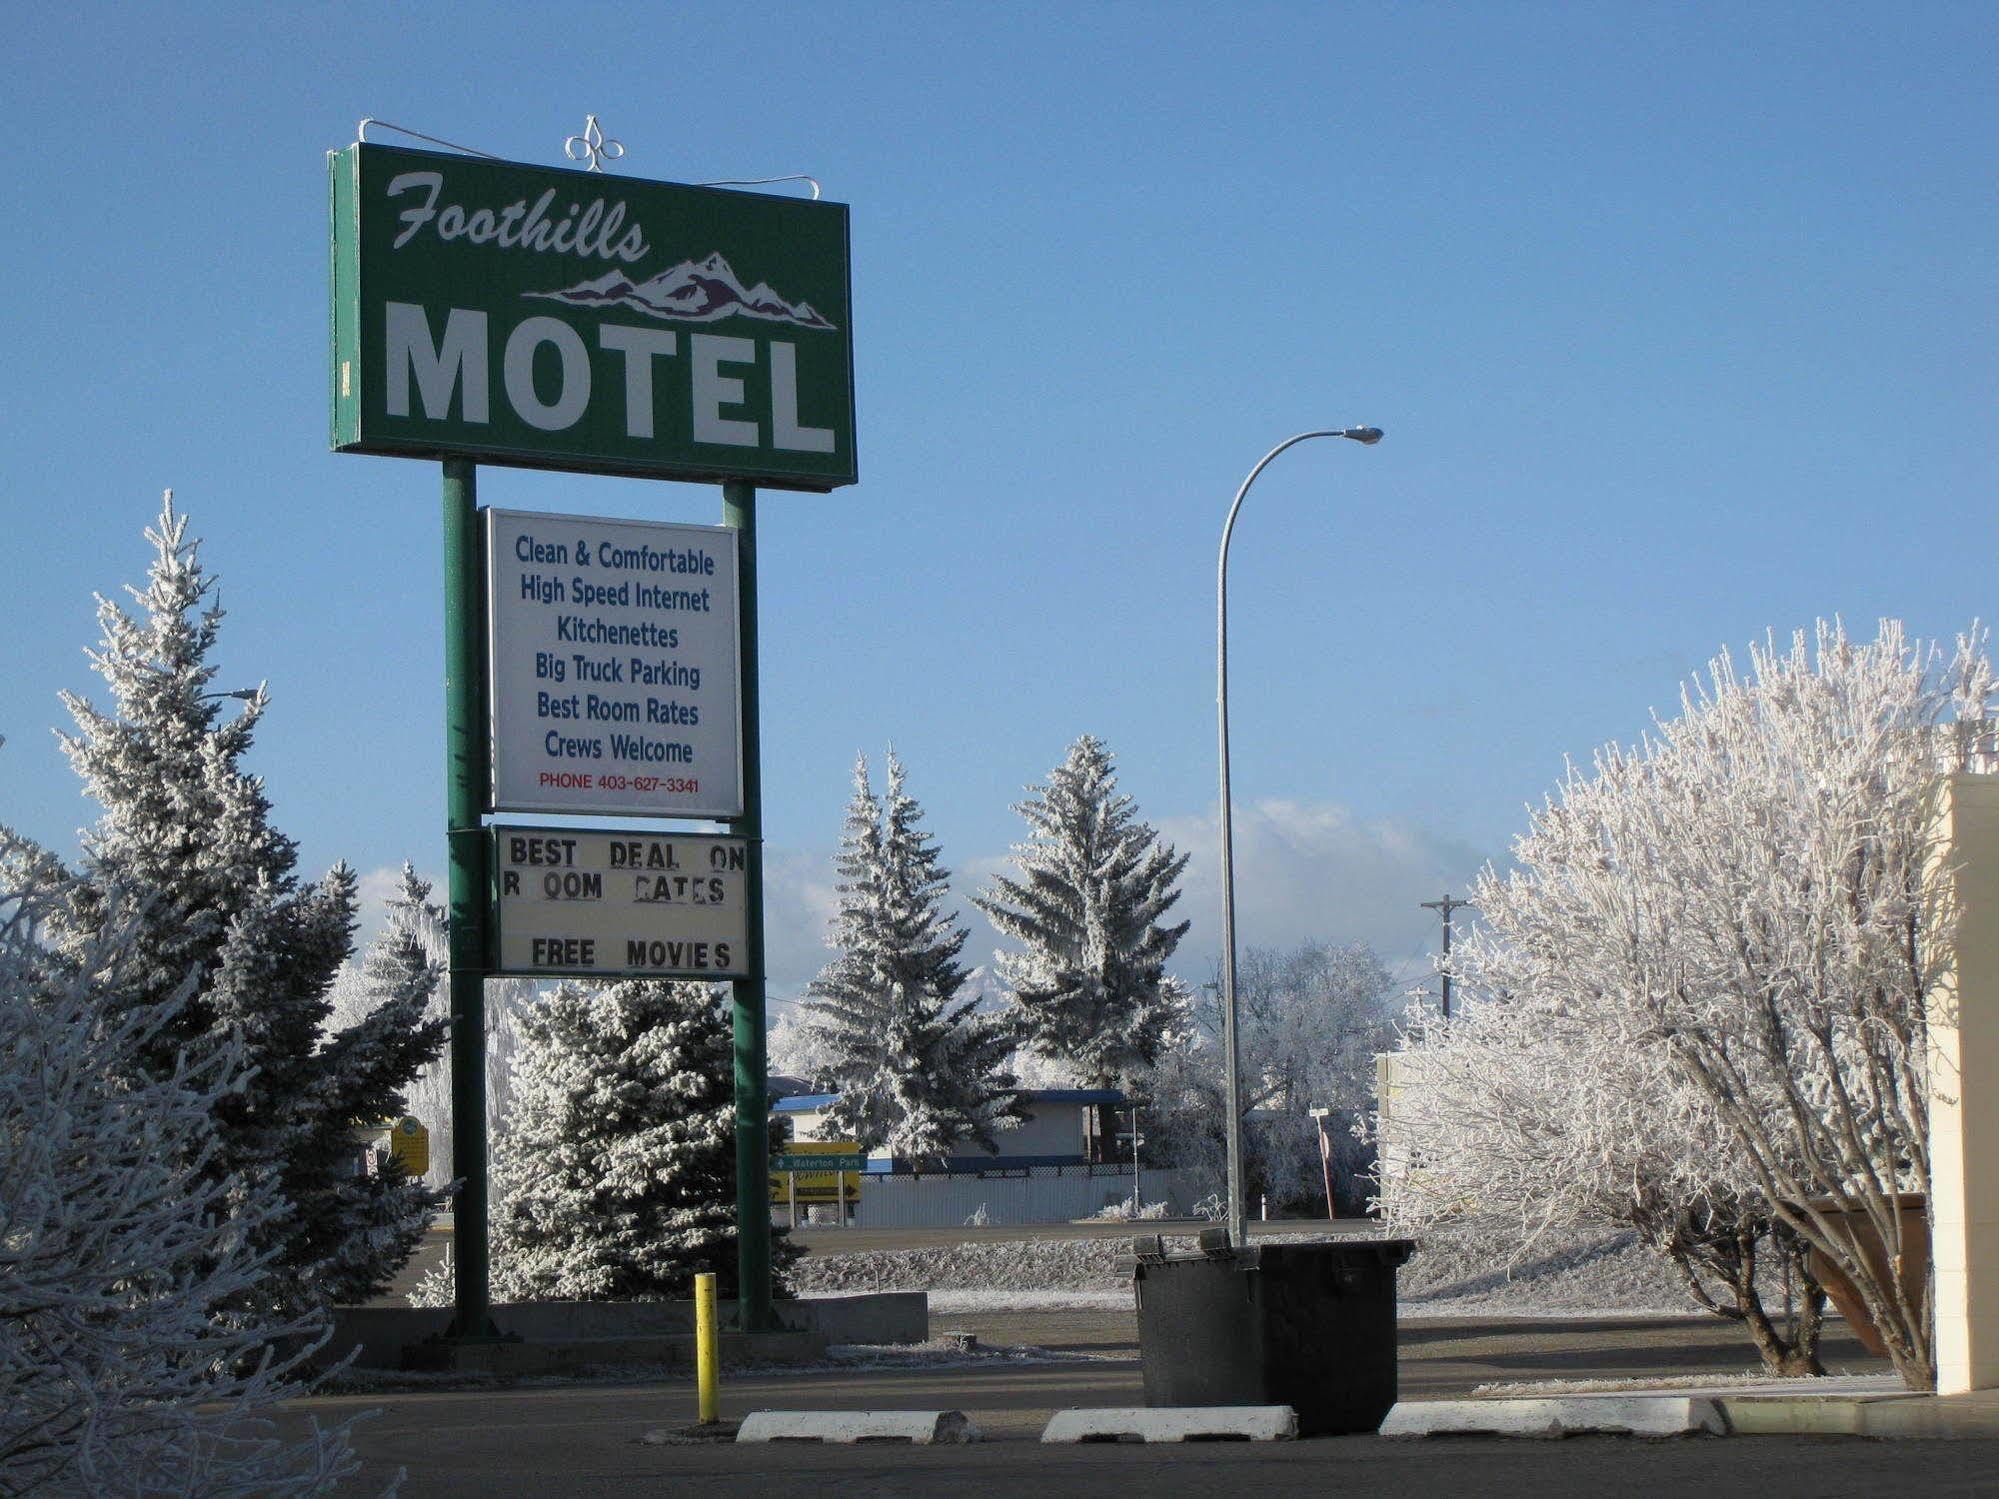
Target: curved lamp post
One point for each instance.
(1231, 1057)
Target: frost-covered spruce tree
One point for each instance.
(400, 1027)
(917, 1068)
(186, 833)
(1088, 979)
(119, 1248)
(413, 918)
(616, 1177)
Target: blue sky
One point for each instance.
(1678, 318)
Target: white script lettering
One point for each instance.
(586, 230)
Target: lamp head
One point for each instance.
(1368, 435)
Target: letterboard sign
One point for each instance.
(620, 905)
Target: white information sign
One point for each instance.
(615, 673)
(621, 904)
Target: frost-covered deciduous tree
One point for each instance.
(917, 1067)
(1525, 1122)
(186, 833)
(616, 1177)
(414, 939)
(124, 1366)
(1748, 899)
(1088, 979)
(796, 1048)
(1312, 1019)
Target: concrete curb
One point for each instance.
(918, 1428)
(1178, 1423)
(1948, 1418)
(1626, 1415)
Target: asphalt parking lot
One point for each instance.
(552, 1441)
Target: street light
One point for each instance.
(1137, 1178)
(1320, 1116)
(1230, 1051)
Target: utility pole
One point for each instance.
(1446, 906)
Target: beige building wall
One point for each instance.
(1964, 1101)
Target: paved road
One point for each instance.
(557, 1441)
(604, 1459)
(574, 1443)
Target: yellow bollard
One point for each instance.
(704, 1347)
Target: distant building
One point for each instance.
(1064, 1127)
(1069, 1158)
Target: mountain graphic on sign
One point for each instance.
(695, 291)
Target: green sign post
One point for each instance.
(495, 312)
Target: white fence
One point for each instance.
(1042, 1194)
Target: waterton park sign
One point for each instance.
(492, 312)
(558, 319)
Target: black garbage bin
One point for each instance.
(1310, 1325)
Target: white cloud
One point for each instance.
(1313, 871)
(799, 900)
(1305, 871)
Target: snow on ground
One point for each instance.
(945, 1353)
(1606, 1276)
(956, 1302)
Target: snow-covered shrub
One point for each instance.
(437, 1286)
(1128, 1210)
(616, 1177)
(122, 1369)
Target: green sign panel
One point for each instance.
(819, 1163)
(558, 319)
